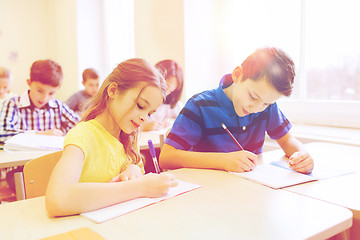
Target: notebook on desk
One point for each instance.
(30, 142)
(278, 174)
(107, 213)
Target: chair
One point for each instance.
(32, 182)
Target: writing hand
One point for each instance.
(240, 161)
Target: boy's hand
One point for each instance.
(131, 172)
(156, 185)
(301, 162)
(241, 161)
(53, 132)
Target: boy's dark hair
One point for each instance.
(274, 64)
(89, 73)
(46, 72)
(170, 68)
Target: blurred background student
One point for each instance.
(79, 101)
(166, 114)
(5, 85)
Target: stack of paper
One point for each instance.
(29, 142)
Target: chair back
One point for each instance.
(37, 174)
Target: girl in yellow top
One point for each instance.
(101, 164)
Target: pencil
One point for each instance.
(153, 156)
(233, 138)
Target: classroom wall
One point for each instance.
(72, 34)
(38, 29)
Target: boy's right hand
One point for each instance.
(240, 161)
(53, 132)
(156, 185)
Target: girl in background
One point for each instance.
(166, 114)
(101, 164)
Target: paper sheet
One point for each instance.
(107, 213)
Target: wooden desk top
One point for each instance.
(225, 207)
(14, 159)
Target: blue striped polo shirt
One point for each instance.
(198, 126)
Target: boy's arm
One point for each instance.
(240, 161)
(9, 120)
(299, 159)
(69, 117)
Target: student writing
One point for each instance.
(101, 164)
(245, 102)
(36, 110)
(168, 111)
(79, 101)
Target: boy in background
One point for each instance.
(79, 101)
(36, 110)
(5, 82)
(245, 103)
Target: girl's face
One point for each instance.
(171, 85)
(129, 109)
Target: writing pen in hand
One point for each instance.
(233, 138)
(153, 156)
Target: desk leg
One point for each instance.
(345, 235)
(19, 186)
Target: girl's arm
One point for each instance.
(66, 196)
(240, 161)
(299, 159)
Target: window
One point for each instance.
(321, 37)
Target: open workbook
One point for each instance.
(107, 213)
(279, 175)
(30, 142)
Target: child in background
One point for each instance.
(36, 110)
(245, 103)
(101, 164)
(79, 101)
(5, 82)
(168, 111)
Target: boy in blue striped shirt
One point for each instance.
(245, 102)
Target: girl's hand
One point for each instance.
(131, 172)
(156, 185)
(241, 161)
(301, 162)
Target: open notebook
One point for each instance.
(107, 213)
(278, 174)
(30, 142)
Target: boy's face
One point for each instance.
(91, 86)
(40, 94)
(249, 96)
(4, 87)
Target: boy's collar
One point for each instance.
(24, 101)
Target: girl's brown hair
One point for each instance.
(127, 75)
(170, 68)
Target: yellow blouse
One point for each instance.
(104, 155)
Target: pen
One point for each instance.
(227, 130)
(153, 155)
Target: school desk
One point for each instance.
(225, 207)
(341, 190)
(14, 159)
